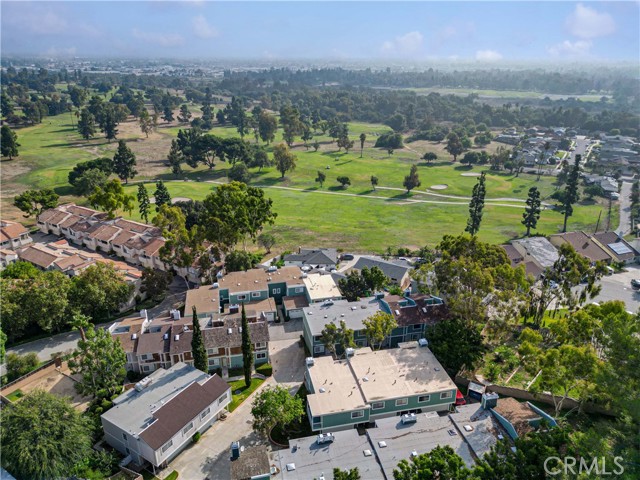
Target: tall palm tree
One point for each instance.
(363, 137)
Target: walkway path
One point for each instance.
(625, 210)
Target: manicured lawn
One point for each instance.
(17, 395)
(243, 391)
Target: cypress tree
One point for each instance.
(162, 195)
(476, 206)
(247, 349)
(531, 213)
(198, 351)
(571, 193)
(144, 205)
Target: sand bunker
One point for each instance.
(471, 174)
(442, 186)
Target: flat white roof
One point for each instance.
(341, 391)
(353, 313)
(321, 287)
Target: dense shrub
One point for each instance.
(265, 369)
(389, 140)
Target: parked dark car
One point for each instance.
(347, 256)
(635, 283)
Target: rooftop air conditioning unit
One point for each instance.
(216, 285)
(176, 338)
(349, 352)
(325, 438)
(230, 331)
(424, 309)
(166, 336)
(397, 312)
(134, 336)
(309, 361)
(354, 308)
(408, 418)
(423, 342)
(175, 314)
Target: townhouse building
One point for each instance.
(13, 235)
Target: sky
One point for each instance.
(268, 30)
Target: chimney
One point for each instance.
(143, 314)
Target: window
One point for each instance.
(255, 294)
(276, 291)
(205, 413)
(212, 351)
(318, 349)
(214, 362)
(401, 402)
(124, 435)
(424, 398)
(186, 429)
(261, 345)
(417, 326)
(358, 414)
(444, 395)
(167, 446)
(146, 368)
(223, 398)
(377, 405)
(242, 297)
(299, 289)
(261, 355)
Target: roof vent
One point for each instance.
(423, 342)
(185, 328)
(363, 306)
(230, 331)
(365, 379)
(238, 284)
(414, 454)
(309, 361)
(424, 309)
(239, 329)
(215, 285)
(134, 336)
(322, 390)
(166, 336)
(176, 338)
(342, 314)
(408, 418)
(326, 316)
(397, 312)
(255, 281)
(382, 444)
(349, 352)
(367, 453)
(354, 308)
(291, 467)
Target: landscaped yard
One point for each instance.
(300, 429)
(17, 395)
(240, 392)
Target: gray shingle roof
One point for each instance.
(391, 270)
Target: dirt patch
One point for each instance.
(60, 385)
(442, 186)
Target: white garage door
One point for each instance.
(295, 313)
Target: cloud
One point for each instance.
(579, 48)
(202, 29)
(406, 44)
(488, 56)
(161, 39)
(585, 22)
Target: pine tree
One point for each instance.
(207, 112)
(185, 114)
(144, 205)
(531, 213)
(247, 349)
(476, 205)
(412, 180)
(124, 162)
(146, 122)
(167, 114)
(199, 352)
(87, 124)
(175, 158)
(162, 195)
(571, 194)
(9, 142)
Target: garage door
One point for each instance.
(295, 313)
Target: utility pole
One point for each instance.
(598, 222)
(609, 215)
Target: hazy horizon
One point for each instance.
(491, 33)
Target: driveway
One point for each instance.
(210, 457)
(625, 210)
(285, 330)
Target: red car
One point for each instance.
(460, 398)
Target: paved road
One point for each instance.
(209, 458)
(618, 287)
(625, 209)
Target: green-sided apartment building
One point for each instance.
(375, 384)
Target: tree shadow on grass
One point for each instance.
(464, 168)
(444, 163)
(337, 188)
(64, 190)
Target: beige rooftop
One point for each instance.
(341, 390)
(258, 279)
(321, 287)
(398, 372)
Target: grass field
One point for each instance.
(505, 94)
(356, 218)
(243, 392)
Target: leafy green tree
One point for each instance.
(124, 162)
(34, 202)
(240, 261)
(89, 181)
(207, 111)
(430, 157)
(344, 181)
(571, 193)
(100, 360)
(454, 145)
(267, 241)
(316, 146)
(111, 197)
(19, 365)
(43, 437)
(353, 287)
(144, 204)
(87, 124)
(9, 142)
(185, 114)
(374, 278)
(594, 191)
(374, 182)
(378, 327)
(99, 290)
(175, 158)
(476, 205)
(412, 180)
(20, 271)
(233, 212)
(397, 122)
(320, 178)
(167, 114)
(239, 173)
(161, 195)
(531, 213)
(259, 159)
(455, 344)
(363, 138)
(200, 360)
(352, 474)
(108, 121)
(146, 122)
(438, 464)
(334, 337)
(102, 164)
(3, 342)
(155, 283)
(247, 349)
(273, 406)
(285, 160)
